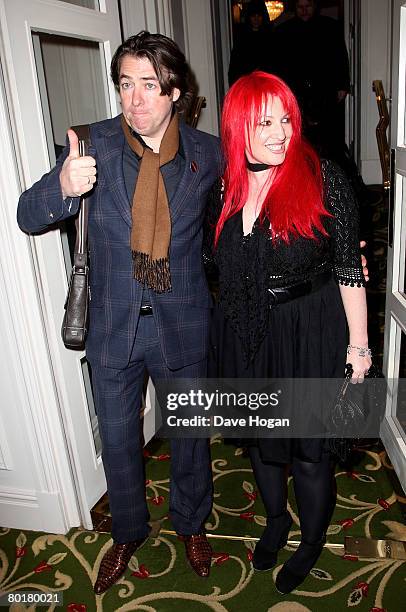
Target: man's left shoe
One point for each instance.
(114, 564)
(198, 553)
(298, 567)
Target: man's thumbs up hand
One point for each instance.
(73, 144)
(78, 174)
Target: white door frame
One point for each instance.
(36, 485)
(392, 434)
(48, 267)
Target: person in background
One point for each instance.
(282, 236)
(312, 59)
(253, 45)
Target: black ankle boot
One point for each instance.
(272, 540)
(295, 570)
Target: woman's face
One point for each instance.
(267, 141)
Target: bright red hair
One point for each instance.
(294, 202)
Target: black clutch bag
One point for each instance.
(357, 411)
(75, 320)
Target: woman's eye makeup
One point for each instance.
(266, 122)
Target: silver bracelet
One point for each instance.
(362, 351)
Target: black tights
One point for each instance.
(315, 490)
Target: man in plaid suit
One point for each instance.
(147, 179)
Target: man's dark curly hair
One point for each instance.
(167, 60)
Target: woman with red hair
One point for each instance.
(282, 234)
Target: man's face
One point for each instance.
(305, 9)
(144, 109)
(256, 21)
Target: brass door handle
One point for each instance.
(381, 135)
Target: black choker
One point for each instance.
(257, 167)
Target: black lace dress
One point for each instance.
(305, 337)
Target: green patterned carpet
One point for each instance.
(369, 504)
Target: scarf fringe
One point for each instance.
(155, 274)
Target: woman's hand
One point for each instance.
(360, 363)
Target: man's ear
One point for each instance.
(175, 94)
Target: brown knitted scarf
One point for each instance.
(151, 221)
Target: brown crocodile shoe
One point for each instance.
(198, 553)
(114, 564)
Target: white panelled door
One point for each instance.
(58, 55)
(393, 431)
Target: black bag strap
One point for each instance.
(80, 253)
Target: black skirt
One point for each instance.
(307, 338)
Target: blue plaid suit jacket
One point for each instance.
(182, 315)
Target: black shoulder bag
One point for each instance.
(75, 320)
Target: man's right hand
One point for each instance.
(78, 174)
